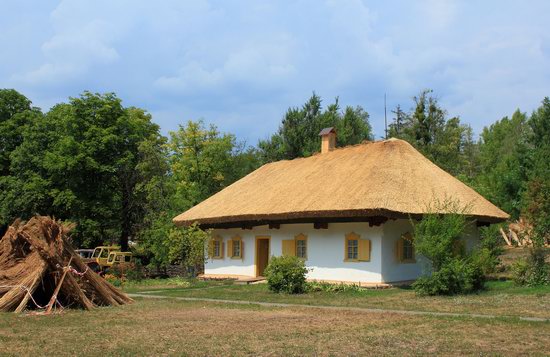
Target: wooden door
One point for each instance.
(262, 254)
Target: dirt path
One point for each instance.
(341, 308)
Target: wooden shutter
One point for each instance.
(211, 248)
(242, 249)
(289, 247)
(230, 248)
(399, 250)
(221, 249)
(364, 250)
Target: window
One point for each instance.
(215, 249)
(408, 250)
(356, 249)
(405, 249)
(296, 247)
(301, 246)
(353, 249)
(235, 248)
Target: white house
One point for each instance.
(345, 211)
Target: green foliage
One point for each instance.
(533, 271)
(438, 239)
(316, 286)
(456, 276)
(436, 236)
(298, 135)
(502, 155)
(537, 197)
(286, 274)
(15, 114)
(200, 161)
(84, 161)
(446, 142)
(490, 248)
(186, 246)
(203, 161)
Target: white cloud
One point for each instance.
(244, 63)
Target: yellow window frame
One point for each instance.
(231, 245)
(211, 248)
(363, 248)
(400, 249)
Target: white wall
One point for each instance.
(326, 251)
(392, 269)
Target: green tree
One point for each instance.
(298, 134)
(81, 162)
(16, 113)
(537, 196)
(502, 173)
(203, 161)
(447, 142)
(200, 162)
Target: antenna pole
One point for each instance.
(385, 118)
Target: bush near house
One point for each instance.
(533, 271)
(286, 274)
(452, 270)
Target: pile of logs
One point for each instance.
(519, 233)
(39, 269)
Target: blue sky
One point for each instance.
(241, 64)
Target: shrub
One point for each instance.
(533, 271)
(456, 276)
(491, 247)
(485, 260)
(316, 286)
(286, 274)
(452, 271)
(520, 272)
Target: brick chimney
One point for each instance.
(328, 140)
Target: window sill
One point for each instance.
(355, 261)
(236, 258)
(408, 261)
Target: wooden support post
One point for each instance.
(58, 287)
(515, 237)
(505, 237)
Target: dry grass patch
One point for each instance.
(168, 327)
(501, 298)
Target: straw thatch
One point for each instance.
(386, 178)
(40, 269)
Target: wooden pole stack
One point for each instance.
(38, 265)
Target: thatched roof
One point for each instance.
(386, 178)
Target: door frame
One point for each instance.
(268, 238)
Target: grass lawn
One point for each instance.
(500, 298)
(170, 327)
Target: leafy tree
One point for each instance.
(203, 161)
(15, 114)
(537, 197)
(502, 173)
(81, 162)
(200, 162)
(298, 135)
(447, 142)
